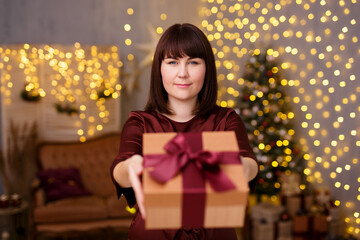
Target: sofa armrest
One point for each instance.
(35, 184)
(38, 194)
(39, 198)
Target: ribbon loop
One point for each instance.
(179, 154)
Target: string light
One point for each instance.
(80, 78)
(322, 77)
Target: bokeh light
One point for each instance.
(82, 78)
(317, 43)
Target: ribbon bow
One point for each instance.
(180, 154)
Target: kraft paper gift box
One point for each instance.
(193, 195)
(320, 223)
(320, 226)
(302, 227)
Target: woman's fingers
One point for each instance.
(136, 185)
(250, 167)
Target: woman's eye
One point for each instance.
(169, 61)
(193, 62)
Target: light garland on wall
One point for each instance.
(93, 76)
(318, 43)
(78, 78)
(130, 76)
(28, 62)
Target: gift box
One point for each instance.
(193, 180)
(262, 230)
(294, 204)
(266, 211)
(290, 184)
(302, 227)
(284, 229)
(322, 197)
(320, 223)
(320, 226)
(334, 213)
(334, 229)
(334, 222)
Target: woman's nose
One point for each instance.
(183, 71)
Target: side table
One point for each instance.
(14, 222)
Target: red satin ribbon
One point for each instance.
(179, 153)
(184, 153)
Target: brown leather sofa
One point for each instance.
(93, 205)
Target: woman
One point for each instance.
(182, 98)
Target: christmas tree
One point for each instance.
(265, 109)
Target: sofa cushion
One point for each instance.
(93, 159)
(62, 183)
(71, 210)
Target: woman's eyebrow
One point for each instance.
(172, 57)
(189, 58)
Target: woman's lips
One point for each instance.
(182, 85)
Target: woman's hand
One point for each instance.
(135, 169)
(250, 168)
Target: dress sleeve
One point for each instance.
(235, 123)
(130, 144)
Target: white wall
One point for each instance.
(91, 22)
(102, 21)
(97, 22)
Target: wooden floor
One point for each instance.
(94, 236)
(116, 236)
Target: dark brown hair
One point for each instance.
(178, 41)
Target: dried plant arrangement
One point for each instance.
(17, 164)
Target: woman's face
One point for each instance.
(183, 78)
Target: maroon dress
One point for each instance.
(139, 122)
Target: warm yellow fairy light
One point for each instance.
(130, 11)
(272, 22)
(163, 16)
(64, 81)
(127, 27)
(128, 41)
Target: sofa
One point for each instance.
(73, 192)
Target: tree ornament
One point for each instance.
(269, 73)
(246, 112)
